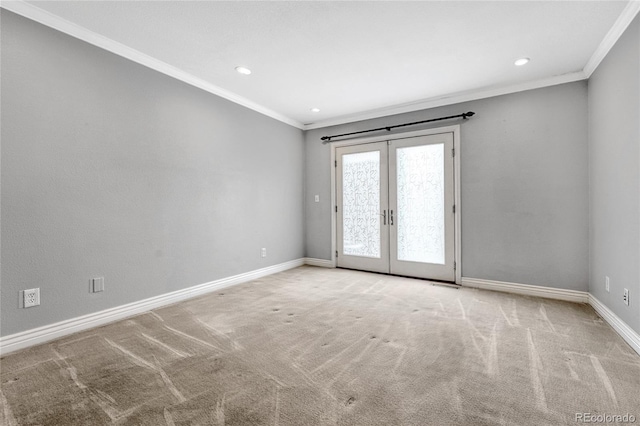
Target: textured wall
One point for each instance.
(614, 176)
(523, 186)
(111, 169)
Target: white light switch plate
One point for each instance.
(97, 284)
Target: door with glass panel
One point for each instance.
(395, 207)
(421, 201)
(362, 181)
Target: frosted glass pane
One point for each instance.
(420, 217)
(361, 204)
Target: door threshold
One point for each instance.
(442, 283)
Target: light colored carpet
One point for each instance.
(319, 346)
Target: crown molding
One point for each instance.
(45, 18)
(621, 24)
(457, 98)
(34, 13)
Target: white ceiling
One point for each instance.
(352, 59)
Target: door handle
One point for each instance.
(384, 217)
(390, 217)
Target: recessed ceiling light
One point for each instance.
(243, 70)
(522, 61)
(315, 109)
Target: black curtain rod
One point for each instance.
(465, 115)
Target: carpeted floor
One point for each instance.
(319, 346)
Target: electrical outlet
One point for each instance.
(264, 252)
(31, 297)
(317, 198)
(625, 296)
(606, 284)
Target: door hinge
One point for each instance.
(335, 163)
(336, 253)
(454, 266)
(336, 209)
(454, 209)
(453, 152)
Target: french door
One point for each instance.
(395, 207)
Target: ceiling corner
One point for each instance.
(48, 19)
(621, 24)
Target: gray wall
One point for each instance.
(614, 179)
(524, 184)
(112, 169)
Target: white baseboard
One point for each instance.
(45, 333)
(528, 290)
(318, 262)
(621, 327)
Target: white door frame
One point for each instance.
(455, 129)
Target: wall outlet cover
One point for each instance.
(31, 297)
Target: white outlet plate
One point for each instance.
(625, 296)
(606, 284)
(31, 297)
(317, 198)
(264, 252)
